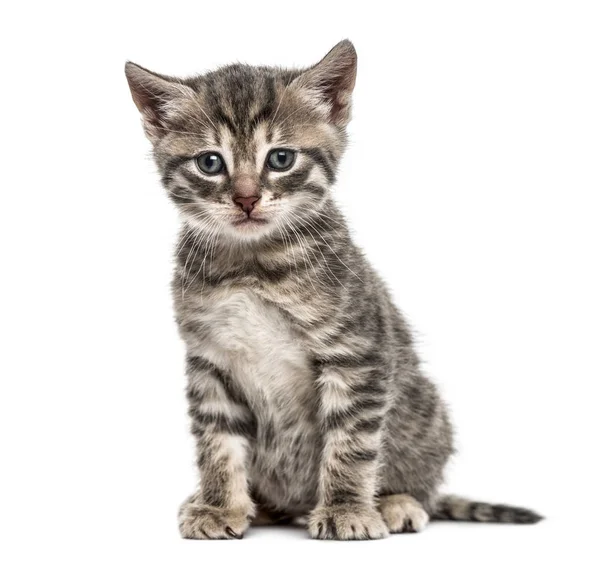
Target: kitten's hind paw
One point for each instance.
(346, 522)
(402, 513)
(202, 522)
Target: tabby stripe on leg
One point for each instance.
(351, 423)
(222, 424)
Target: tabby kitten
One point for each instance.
(305, 393)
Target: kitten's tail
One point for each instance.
(456, 508)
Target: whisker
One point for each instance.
(209, 242)
(212, 250)
(287, 117)
(203, 239)
(306, 247)
(207, 117)
(183, 132)
(330, 248)
(280, 100)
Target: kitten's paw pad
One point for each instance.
(346, 522)
(402, 513)
(202, 522)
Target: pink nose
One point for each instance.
(246, 203)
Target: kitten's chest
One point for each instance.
(257, 344)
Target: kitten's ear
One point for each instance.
(332, 81)
(154, 95)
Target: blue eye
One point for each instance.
(281, 159)
(210, 163)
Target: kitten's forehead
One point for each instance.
(242, 110)
(242, 95)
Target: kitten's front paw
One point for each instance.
(346, 522)
(203, 522)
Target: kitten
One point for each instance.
(305, 393)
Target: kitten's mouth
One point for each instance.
(249, 221)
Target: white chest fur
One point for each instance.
(255, 343)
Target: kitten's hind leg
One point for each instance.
(402, 513)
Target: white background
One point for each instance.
(472, 183)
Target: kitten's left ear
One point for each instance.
(332, 81)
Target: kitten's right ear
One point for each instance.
(153, 94)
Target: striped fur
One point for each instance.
(305, 392)
(456, 508)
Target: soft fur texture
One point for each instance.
(304, 389)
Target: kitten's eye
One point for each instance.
(281, 159)
(210, 163)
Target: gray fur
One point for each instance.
(305, 392)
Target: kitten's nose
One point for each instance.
(246, 203)
(246, 192)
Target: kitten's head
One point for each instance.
(247, 151)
